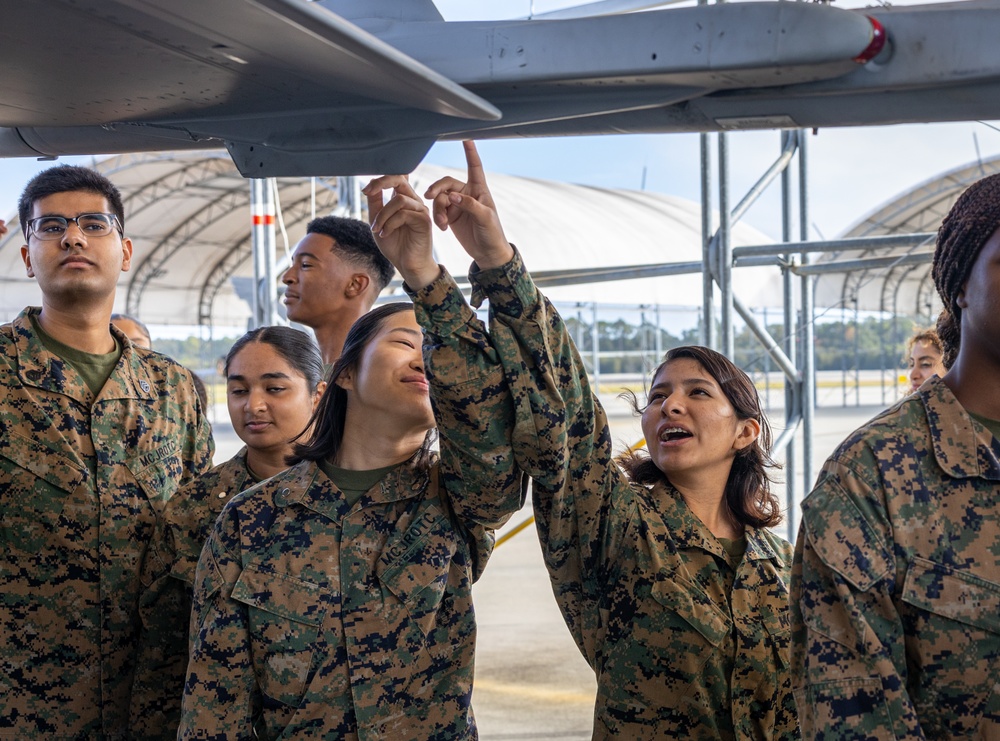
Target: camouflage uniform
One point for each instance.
(896, 582)
(189, 515)
(641, 582)
(316, 618)
(74, 546)
(165, 600)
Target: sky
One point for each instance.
(852, 171)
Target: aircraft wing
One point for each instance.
(90, 72)
(359, 86)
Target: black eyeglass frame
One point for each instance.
(29, 225)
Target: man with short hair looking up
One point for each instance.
(336, 274)
(95, 435)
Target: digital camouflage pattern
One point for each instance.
(315, 619)
(640, 580)
(165, 600)
(189, 516)
(896, 581)
(74, 546)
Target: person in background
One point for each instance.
(334, 600)
(896, 581)
(96, 435)
(925, 357)
(135, 330)
(336, 274)
(200, 389)
(273, 384)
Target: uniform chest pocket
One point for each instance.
(285, 615)
(36, 485)
(417, 567)
(690, 603)
(158, 473)
(953, 595)
(677, 632)
(952, 619)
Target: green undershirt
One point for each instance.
(354, 484)
(95, 369)
(992, 425)
(735, 549)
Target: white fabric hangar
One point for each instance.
(188, 215)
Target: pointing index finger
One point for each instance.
(475, 165)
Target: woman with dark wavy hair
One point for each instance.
(747, 498)
(664, 569)
(662, 561)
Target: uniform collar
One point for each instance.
(234, 475)
(690, 532)
(963, 448)
(42, 369)
(306, 484)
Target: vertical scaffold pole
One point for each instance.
(724, 252)
(707, 329)
(808, 333)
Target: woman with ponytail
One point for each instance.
(895, 588)
(334, 600)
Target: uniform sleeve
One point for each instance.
(472, 407)
(220, 692)
(165, 612)
(203, 448)
(848, 654)
(562, 440)
(165, 602)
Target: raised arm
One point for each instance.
(472, 404)
(560, 435)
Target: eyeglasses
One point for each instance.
(92, 225)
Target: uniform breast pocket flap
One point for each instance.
(40, 461)
(416, 567)
(36, 485)
(955, 595)
(158, 472)
(690, 602)
(285, 615)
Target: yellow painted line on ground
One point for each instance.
(511, 533)
(534, 692)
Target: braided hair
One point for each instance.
(967, 227)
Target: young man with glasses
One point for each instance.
(95, 435)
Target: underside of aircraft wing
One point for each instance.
(294, 88)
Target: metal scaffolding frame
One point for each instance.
(794, 354)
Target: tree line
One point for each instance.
(871, 344)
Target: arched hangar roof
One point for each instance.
(905, 288)
(188, 215)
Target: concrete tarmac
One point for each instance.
(531, 680)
